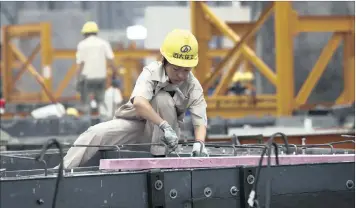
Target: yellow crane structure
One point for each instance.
(205, 24)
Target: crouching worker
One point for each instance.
(162, 94)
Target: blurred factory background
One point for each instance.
(313, 83)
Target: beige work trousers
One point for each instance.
(121, 131)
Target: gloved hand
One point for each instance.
(196, 150)
(170, 136)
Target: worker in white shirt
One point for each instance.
(91, 58)
(112, 100)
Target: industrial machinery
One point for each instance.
(243, 176)
(205, 24)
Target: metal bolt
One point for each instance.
(158, 185)
(233, 191)
(250, 179)
(40, 201)
(173, 193)
(349, 184)
(207, 192)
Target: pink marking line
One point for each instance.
(201, 162)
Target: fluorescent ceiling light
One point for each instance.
(136, 32)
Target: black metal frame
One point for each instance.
(293, 186)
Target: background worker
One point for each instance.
(91, 57)
(112, 99)
(242, 84)
(163, 92)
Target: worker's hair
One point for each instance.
(89, 34)
(115, 83)
(164, 61)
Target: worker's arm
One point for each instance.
(140, 98)
(79, 60)
(109, 54)
(145, 110)
(142, 95)
(79, 68)
(200, 133)
(198, 112)
(112, 66)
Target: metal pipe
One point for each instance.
(29, 158)
(318, 145)
(83, 145)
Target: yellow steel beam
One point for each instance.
(325, 24)
(257, 62)
(64, 83)
(240, 28)
(239, 106)
(284, 57)
(129, 53)
(137, 53)
(6, 72)
(217, 52)
(24, 30)
(32, 70)
(247, 65)
(226, 79)
(246, 50)
(237, 112)
(222, 26)
(349, 66)
(202, 31)
(240, 100)
(46, 59)
(341, 99)
(130, 66)
(237, 50)
(318, 69)
(28, 97)
(209, 81)
(24, 65)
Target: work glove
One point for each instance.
(170, 136)
(196, 150)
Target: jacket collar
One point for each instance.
(159, 74)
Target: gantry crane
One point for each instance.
(205, 24)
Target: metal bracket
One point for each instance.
(247, 179)
(155, 186)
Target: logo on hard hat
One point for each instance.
(185, 49)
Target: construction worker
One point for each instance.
(242, 83)
(155, 111)
(92, 54)
(112, 99)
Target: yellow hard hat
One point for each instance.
(122, 71)
(72, 112)
(180, 48)
(243, 76)
(90, 27)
